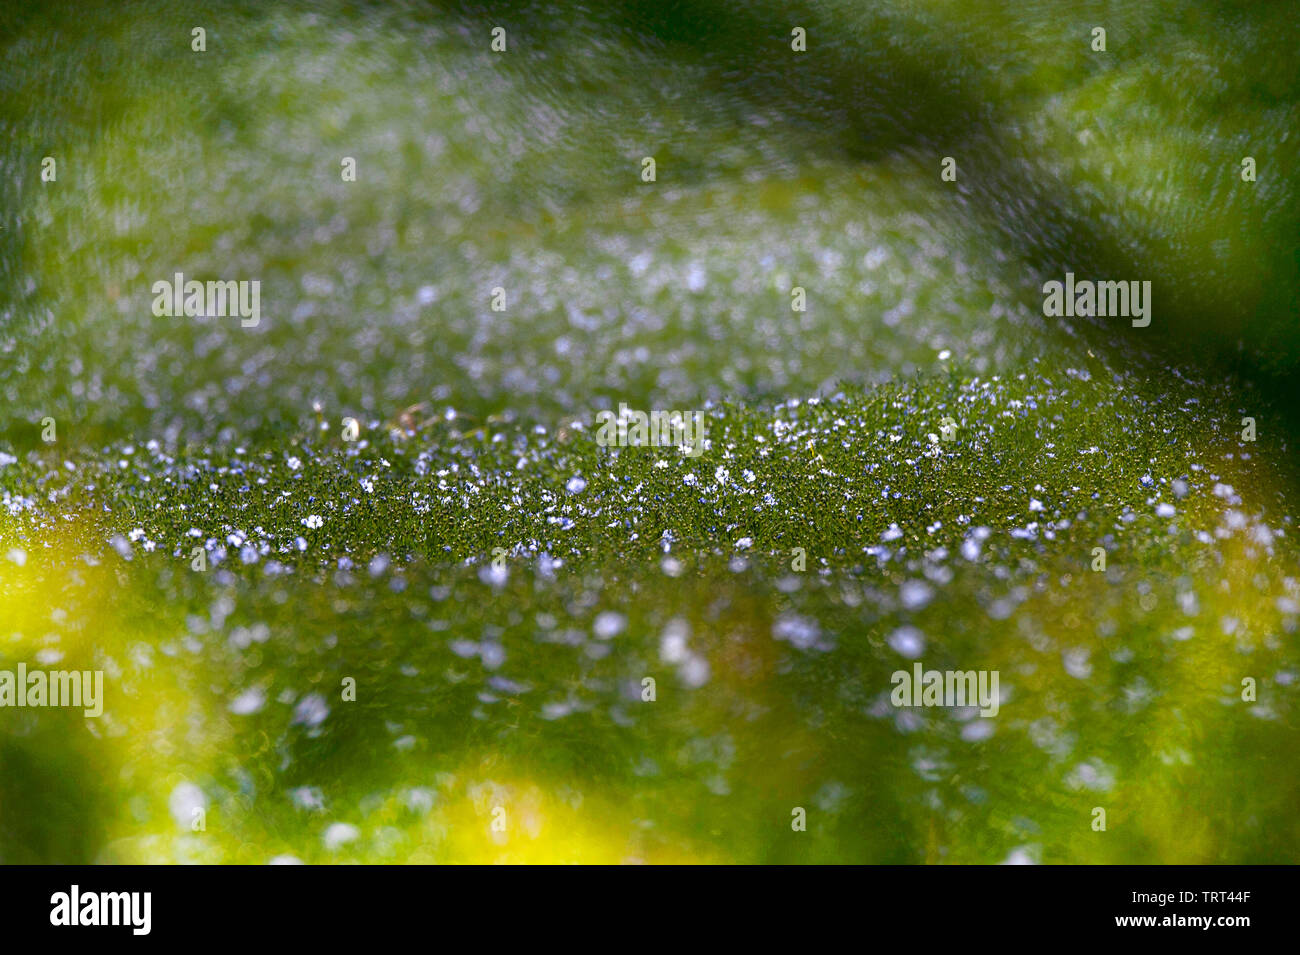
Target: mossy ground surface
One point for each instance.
(519, 685)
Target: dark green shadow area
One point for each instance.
(54, 792)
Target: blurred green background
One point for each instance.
(521, 689)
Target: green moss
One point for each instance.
(520, 687)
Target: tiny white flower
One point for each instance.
(340, 834)
(609, 625)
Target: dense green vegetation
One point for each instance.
(498, 585)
